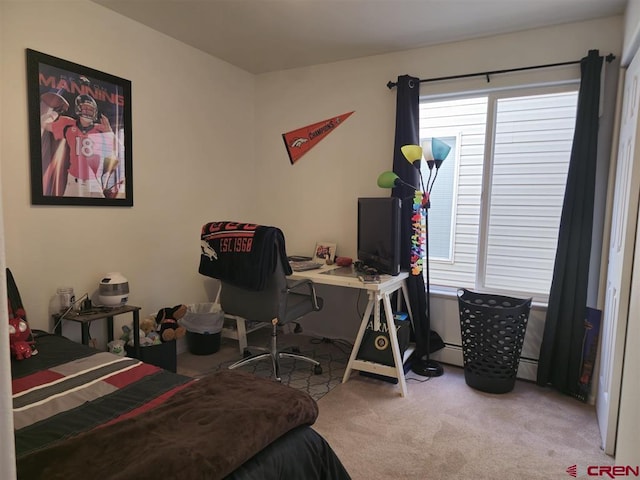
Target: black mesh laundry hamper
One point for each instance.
(492, 329)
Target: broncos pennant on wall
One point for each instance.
(300, 141)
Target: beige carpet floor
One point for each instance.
(447, 430)
(443, 429)
(333, 357)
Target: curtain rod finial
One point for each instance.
(391, 84)
(610, 58)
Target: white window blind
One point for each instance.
(512, 152)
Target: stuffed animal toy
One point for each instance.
(150, 329)
(127, 335)
(147, 333)
(148, 325)
(21, 344)
(117, 347)
(167, 321)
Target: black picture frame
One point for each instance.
(79, 134)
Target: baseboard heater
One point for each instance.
(452, 354)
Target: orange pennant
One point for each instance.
(300, 141)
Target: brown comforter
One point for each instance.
(205, 431)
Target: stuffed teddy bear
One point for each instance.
(148, 325)
(147, 333)
(167, 321)
(150, 329)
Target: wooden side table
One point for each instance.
(85, 319)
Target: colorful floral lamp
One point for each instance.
(434, 153)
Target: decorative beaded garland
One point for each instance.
(419, 235)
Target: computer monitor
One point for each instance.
(379, 233)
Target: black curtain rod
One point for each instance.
(609, 58)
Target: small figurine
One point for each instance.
(21, 343)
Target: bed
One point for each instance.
(83, 413)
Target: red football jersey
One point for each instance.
(87, 147)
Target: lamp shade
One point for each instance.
(440, 151)
(428, 154)
(390, 180)
(435, 151)
(413, 154)
(387, 180)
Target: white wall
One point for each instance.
(190, 114)
(7, 454)
(315, 199)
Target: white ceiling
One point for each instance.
(267, 35)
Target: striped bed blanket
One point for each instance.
(97, 415)
(67, 389)
(70, 398)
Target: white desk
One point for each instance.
(379, 293)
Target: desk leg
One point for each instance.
(136, 333)
(85, 333)
(356, 345)
(57, 326)
(376, 313)
(405, 294)
(397, 371)
(395, 347)
(109, 329)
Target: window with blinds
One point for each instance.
(496, 203)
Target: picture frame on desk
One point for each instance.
(324, 251)
(80, 134)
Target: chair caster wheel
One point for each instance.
(317, 370)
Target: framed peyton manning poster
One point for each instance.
(79, 134)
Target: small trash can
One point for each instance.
(492, 329)
(203, 322)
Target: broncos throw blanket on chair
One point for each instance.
(243, 254)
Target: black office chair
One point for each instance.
(251, 263)
(282, 301)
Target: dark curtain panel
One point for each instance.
(407, 133)
(561, 350)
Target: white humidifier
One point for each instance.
(113, 290)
